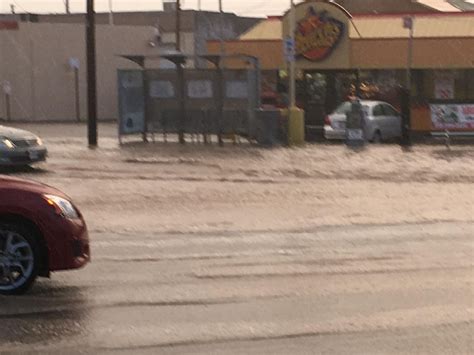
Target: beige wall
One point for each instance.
(435, 53)
(270, 53)
(429, 53)
(35, 60)
(187, 45)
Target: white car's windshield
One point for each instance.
(345, 107)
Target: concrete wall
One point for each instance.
(35, 60)
(428, 53)
(214, 26)
(197, 26)
(270, 53)
(165, 20)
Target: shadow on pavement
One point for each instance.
(450, 154)
(50, 313)
(13, 170)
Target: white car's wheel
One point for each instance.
(18, 259)
(377, 138)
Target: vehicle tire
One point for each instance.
(377, 138)
(19, 259)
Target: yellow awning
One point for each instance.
(383, 26)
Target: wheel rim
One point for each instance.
(377, 137)
(16, 260)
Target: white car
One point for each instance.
(18, 147)
(381, 122)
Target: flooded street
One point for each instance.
(240, 250)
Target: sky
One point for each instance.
(243, 7)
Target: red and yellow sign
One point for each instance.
(317, 35)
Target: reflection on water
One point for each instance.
(50, 313)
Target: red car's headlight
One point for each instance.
(62, 206)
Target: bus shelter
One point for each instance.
(195, 103)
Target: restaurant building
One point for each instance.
(338, 54)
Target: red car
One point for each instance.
(41, 231)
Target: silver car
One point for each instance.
(381, 122)
(19, 147)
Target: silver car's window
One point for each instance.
(346, 107)
(378, 111)
(390, 111)
(343, 108)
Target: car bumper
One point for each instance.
(68, 245)
(334, 134)
(23, 156)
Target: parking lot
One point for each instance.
(201, 249)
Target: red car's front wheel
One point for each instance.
(19, 259)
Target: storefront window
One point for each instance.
(470, 84)
(381, 85)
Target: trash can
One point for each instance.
(268, 126)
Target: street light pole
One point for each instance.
(91, 75)
(68, 10)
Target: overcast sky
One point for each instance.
(244, 7)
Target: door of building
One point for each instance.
(324, 91)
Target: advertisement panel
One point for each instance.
(444, 86)
(131, 102)
(453, 116)
(321, 35)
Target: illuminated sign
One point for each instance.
(317, 35)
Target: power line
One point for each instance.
(21, 7)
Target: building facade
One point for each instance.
(37, 68)
(37, 53)
(338, 54)
(197, 27)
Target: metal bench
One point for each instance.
(448, 136)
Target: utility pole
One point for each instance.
(222, 44)
(68, 10)
(91, 75)
(180, 72)
(178, 25)
(12, 8)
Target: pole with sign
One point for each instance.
(74, 63)
(409, 24)
(291, 61)
(296, 125)
(289, 49)
(111, 13)
(7, 90)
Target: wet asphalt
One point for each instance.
(160, 283)
(360, 289)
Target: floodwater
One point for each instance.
(200, 250)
